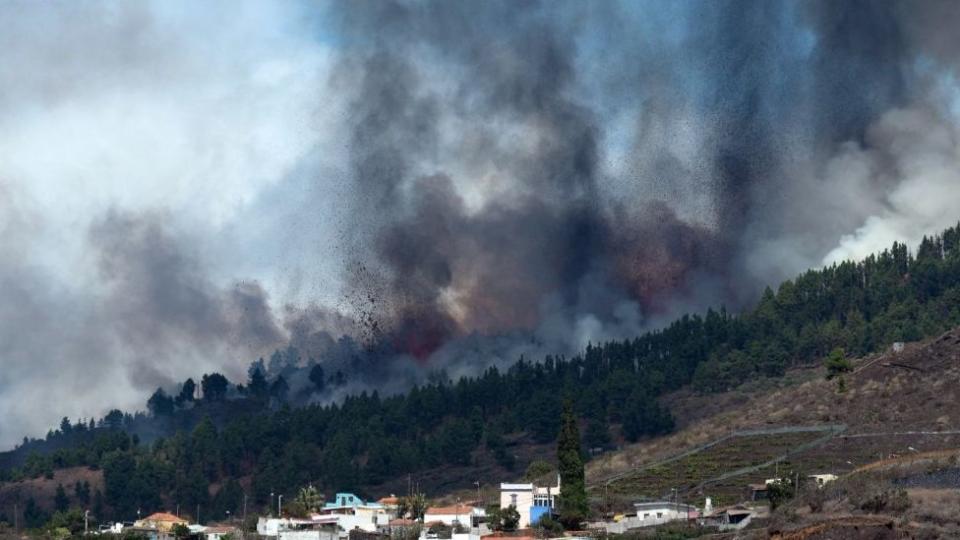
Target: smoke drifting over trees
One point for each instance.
(401, 187)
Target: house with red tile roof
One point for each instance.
(162, 521)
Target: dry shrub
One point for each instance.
(886, 500)
(814, 497)
(935, 507)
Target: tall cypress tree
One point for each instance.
(573, 491)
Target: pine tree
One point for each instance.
(318, 378)
(257, 386)
(573, 493)
(60, 500)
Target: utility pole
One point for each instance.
(606, 503)
(279, 515)
(198, 513)
(676, 507)
(86, 522)
(16, 518)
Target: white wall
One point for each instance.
(524, 500)
(447, 519)
(350, 522)
(299, 535)
(647, 517)
(267, 526)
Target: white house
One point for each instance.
(391, 505)
(660, 512)
(822, 479)
(532, 502)
(462, 514)
(649, 514)
(316, 528)
(352, 512)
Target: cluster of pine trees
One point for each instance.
(860, 307)
(613, 388)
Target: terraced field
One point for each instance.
(724, 470)
(718, 471)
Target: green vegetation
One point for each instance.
(572, 501)
(548, 527)
(837, 364)
(414, 504)
(503, 519)
(307, 501)
(537, 470)
(180, 530)
(780, 491)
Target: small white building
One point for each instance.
(391, 505)
(458, 514)
(660, 512)
(316, 528)
(532, 502)
(822, 479)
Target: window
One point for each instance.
(659, 515)
(513, 499)
(645, 515)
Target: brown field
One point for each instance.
(43, 490)
(895, 407)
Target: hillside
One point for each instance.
(898, 409)
(706, 375)
(896, 394)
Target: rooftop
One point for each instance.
(664, 504)
(220, 529)
(459, 509)
(349, 500)
(164, 516)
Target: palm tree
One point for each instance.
(308, 499)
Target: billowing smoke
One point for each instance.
(403, 188)
(480, 134)
(480, 188)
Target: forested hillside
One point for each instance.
(358, 444)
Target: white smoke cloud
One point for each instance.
(181, 112)
(914, 153)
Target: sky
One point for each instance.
(186, 187)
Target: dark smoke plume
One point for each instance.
(544, 232)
